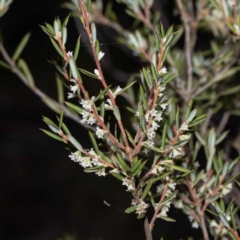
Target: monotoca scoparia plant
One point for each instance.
(156, 158)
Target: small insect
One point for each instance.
(106, 203)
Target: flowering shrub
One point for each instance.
(170, 104)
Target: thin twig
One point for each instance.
(37, 91)
(83, 10)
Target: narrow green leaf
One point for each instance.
(116, 112)
(231, 179)
(5, 65)
(60, 89)
(74, 142)
(139, 168)
(223, 220)
(52, 104)
(93, 33)
(66, 20)
(124, 89)
(123, 163)
(130, 137)
(131, 209)
(118, 176)
(21, 47)
(52, 135)
(88, 73)
(164, 135)
(55, 45)
(192, 115)
(146, 190)
(136, 164)
(180, 169)
(77, 48)
(93, 169)
(101, 94)
(49, 121)
(74, 107)
(95, 145)
(73, 68)
(50, 28)
(168, 219)
(189, 108)
(60, 120)
(24, 67)
(48, 32)
(143, 98)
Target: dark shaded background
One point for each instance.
(43, 194)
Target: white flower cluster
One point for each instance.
(87, 115)
(141, 207)
(153, 116)
(89, 161)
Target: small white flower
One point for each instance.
(176, 152)
(116, 91)
(158, 117)
(213, 223)
(163, 70)
(137, 114)
(226, 189)
(178, 204)
(100, 55)
(185, 137)
(115, 170)
(163, 106)
(128, 183)
(134, 202)
(69, 54)
(86, 104)
(172, 185)
(97, 73)
(141, 207)
(190, 217)
(76, 157)
(160, 188)
(71, 95)
(184, 127)
(86, 162)
(100, 132)
(169, 192)
(147, 116)
(101, 172)
(75, 87)
(153, 113)
(157, 170)
(195, 224)
(155, 126)
(109, 105)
